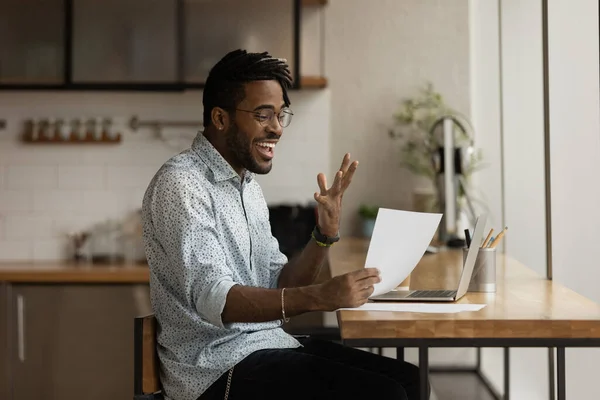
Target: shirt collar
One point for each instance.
(220, 168)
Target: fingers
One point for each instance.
(345, 163)
(367, 292)
(322, 182)
(365, 283)
(348, 175)
(365, 273)
(342, 178)
(337, 182)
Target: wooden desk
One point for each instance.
(527, 310)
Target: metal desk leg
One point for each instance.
(560, 368)
(424, 372)
(551, 373)
(400, 353)
(506, 373)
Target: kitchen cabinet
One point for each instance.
(214, 27)
(143, 45)
(72, 341)
(116, 41)
(32, 42)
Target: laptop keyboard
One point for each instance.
(432, 293)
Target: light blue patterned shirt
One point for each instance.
(205, 230)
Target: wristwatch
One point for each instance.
(323, 240)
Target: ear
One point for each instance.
(220, 118)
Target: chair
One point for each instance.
(146, 375)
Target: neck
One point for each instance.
(218, 140)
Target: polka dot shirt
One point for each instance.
(205, 230)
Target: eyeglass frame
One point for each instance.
(266, 122)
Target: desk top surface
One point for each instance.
(525, 304)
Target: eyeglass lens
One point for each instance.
(284, 117)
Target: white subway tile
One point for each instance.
(66, 224)
(28, 227)
(81, 177)
(2, 175)
(2, 234)
(109, 202)
(16, 250)
(32, 177)
(15, 152)
(16, 200)
(135, 199)
(57, 201)
(50, 249)
(154, 153)
(130, 177)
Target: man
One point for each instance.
(220, 287)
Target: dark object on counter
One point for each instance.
(107, 259)
(292, 225)
(456, 243)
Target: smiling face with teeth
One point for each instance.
(250, 145)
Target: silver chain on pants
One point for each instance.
(228, 383)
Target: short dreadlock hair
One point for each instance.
(224, 86)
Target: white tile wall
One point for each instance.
(81, 176)
(15, 200)
(16, 250)
(47, 191)
(32, 176)
(24, 227)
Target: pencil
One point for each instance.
(498, 238)
(485, 242)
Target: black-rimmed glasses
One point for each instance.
(265, 116)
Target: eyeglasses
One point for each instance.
(265, 116)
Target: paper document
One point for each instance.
(418, 307)
(399, 241)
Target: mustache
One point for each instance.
(271, 136)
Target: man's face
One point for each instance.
(252, 144)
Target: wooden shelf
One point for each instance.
(313, 82)
(311, 3)
(72, 140)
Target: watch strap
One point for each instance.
(323, 240)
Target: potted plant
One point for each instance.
(418, 127)
(368, 214)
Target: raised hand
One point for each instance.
(329, 200)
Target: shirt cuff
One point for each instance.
(211, 305)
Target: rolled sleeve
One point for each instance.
(278, 261)
(184, 222)
(212, 301)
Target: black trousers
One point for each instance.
(318, 370)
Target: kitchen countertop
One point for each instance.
(72, 272)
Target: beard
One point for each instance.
(242, 149)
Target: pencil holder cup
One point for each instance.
(484, 271)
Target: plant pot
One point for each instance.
(367, 227)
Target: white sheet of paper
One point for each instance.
(399, 240)
(418, 307)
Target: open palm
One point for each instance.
(329, 200)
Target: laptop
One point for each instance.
(449, 294)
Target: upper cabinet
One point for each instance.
(143, 44)
(215, 27)
(132, 41)
(32, 36)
